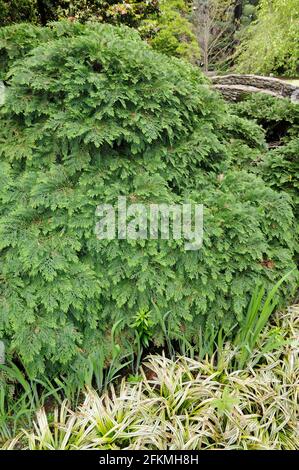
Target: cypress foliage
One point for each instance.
(93, 113)
(279, 119)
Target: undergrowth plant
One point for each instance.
(259, 311)
(187, 404)
(20, 397)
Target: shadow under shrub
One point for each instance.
(279, 117)
(94, 116)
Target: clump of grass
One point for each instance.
(258, 314)
(189, 404)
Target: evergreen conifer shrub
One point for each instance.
(278, 117)
(280, 169)
(93, 116)
(278, 165)
(19, 39)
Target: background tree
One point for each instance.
(131, 12)
(163, 23)
(16, 11)
(214, 28)
(271, 43)
(171, 32)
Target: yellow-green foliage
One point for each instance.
(271, 43)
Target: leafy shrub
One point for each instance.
(171, 32)
(18, 40)
(131, 12)
(96, 115)
(279, 119)
(245, 141)
(14, 11)
(163, 23)
(280, 169)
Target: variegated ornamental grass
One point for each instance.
(188, 404)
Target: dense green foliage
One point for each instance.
(163, 23)
(279, 118)
(17, 40)
(260, 35)
(94, 113)
(131, 12)
(271, 43)
(247, 12)
(281, 170)
(171, 32)
(16, 11)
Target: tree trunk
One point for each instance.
(42, 12)
(238, 10)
